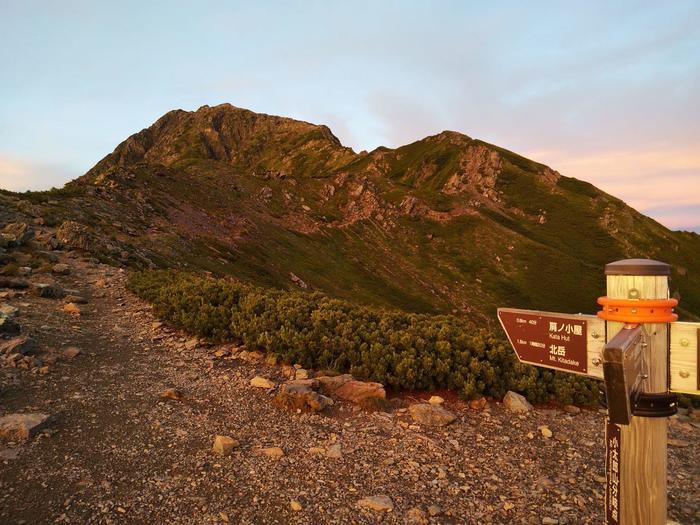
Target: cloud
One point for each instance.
(663, 183)
(21, 175)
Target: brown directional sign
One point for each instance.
(573, 343)
(623, 361)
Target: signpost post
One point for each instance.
(627, 346)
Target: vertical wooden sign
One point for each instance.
(612, 473)
(643, 461)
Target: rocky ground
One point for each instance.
(135, 408)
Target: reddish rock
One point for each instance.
(356, 391)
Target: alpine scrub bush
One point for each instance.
(402, 350)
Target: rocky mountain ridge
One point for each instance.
(446, 224)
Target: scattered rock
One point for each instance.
(15, 284)
(8, 310)
(356, 391)
(434, 510)
(549, 521)
(678, 443)
(572, 409)
(545, 431)
(9, 326)
(377, 503)
(22, 426)
(61, 269)
(16, 345)
(172, 393)
(477, 404)
(270, 452)
(431, 415)
(224, 445)
(334, 451)
(295, 505)
(48, 291)
(302, 374)
(77, 299)
(298, 395)
(17, 233)
(261, 382)
(71, 352)
(416, 516)
(298, 281)
(436, 400)
(516, 403)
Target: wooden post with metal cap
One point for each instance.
(640, 473)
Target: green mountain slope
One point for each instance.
(446, 224)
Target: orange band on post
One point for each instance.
(638, 310)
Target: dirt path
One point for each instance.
(116, 452)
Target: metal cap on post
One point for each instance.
(637, 267)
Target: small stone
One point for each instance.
(121, 510)
(9, 326)
(508, 505)
(477, 404)
(377, 503)
(8, 310)
(224, 445)
(61, 269)
(295, 505)
(572, 409)
(72, 309)
(224, 517)
(549, 521)
(21, 345)
(302, 374)
(516, 403)
(678, 443)
(544, 430)
(172, 393)
(270, 452)
(334, 451)
(436, 400)
(261, 382)
(431, 415)
(317, 450)
(77, 299)
(22, 426)
(434, 510)
(48, 291)
(416, 516)
(71, 352)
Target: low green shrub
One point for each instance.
(402, 350)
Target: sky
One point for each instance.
(607, 92)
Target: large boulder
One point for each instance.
(431, 415)
(516, 403)
(22, 426)
(297, 395)
(74, 235)
(329, 384)
(357, 391)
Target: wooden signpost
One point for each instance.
(643, 357)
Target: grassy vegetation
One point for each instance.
(402, 350)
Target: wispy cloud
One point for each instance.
(22, 174)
